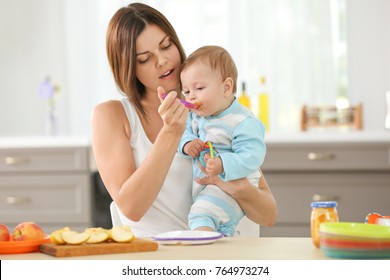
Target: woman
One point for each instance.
(135, 139)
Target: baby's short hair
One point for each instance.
(218, 59)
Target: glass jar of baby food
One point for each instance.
(322, 212)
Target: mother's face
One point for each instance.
(157, 60)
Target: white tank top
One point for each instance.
(170, 209)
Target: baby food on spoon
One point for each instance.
(189, 105)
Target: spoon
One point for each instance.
(189, 105)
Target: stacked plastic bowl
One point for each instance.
(355, 240)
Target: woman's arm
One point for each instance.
(258, 204)
(134, 189)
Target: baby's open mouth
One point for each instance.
(190, 105)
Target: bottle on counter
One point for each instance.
(322, 212)
(263, 113)
(244, 98)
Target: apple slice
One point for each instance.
(97, 235)
(56, 236)
(122, 234)
(74, 237)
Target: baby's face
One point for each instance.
(204, 87)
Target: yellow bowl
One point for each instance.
(356, 230)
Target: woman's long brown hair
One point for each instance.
(123, 30)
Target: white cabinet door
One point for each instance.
(57, 198)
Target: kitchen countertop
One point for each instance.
(237, 248)
(19, 142)
(270, 138)
(329, 137)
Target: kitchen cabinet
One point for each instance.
(350, 168)
(46, 180)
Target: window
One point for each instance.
(299, 46)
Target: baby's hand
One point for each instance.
(194, 148)
(214, 166)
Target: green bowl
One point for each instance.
(355, 254)
(356, 230)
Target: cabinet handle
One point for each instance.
(321, 197)
(14, 200)
(317, 156)
(16, 160)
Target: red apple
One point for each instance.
(4, 233)
(28, 231)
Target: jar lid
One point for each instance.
(324, 204)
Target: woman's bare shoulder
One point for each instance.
(107, 107)
(107, 111)
(109, 114)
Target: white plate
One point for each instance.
(187, 237)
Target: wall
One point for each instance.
(31, 45)
(62, 39)
(368, 30)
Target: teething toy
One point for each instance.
(209, 149)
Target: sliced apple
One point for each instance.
(74, 237)
(109, 232)
(97, 235)
(56, 236)
(122, 234)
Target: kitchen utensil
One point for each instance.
(357, 230)
(355, 240)
(137, 245)
(187, 237)
(21, 247)
(189, 105)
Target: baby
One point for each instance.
(234, 134)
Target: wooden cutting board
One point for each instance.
(137, 245)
